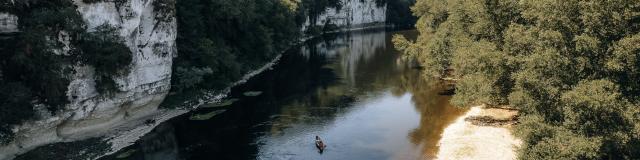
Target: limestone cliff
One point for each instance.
(352, 14)
(152, 43)
(150, 35)
(8, 23)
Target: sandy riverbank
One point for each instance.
(464, 140)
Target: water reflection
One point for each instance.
(160, 144)
(349, 89)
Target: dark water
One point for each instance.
(349, 89)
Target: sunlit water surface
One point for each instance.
(350, 89)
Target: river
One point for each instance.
(350, 89)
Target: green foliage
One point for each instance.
(232, 37)
(313, 8)
(399, 12)
(473, 89)
(190, 77)
(484, 72)
(165, 10)
(14, 103)
(544, 141)
(36, 61)
(32, 67)
(624, 61)
(314, 30)
(328, 26)
(595, 108)
(563, 145)
(34, 58)
(106, 52)
(229, 37)
(15, 107)
(570, 66)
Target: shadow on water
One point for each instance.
(347, 88)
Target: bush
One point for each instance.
(15, 108)
(329, 27)
(190, 77)
(106, 52)
(33, 68)
(572, 65)
(33, 59)
(36, 65)
(230, 38)
(165, 10)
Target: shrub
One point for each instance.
(35, 65)
(106, 52)
(15, 108)
(33, 68)
(164, 9)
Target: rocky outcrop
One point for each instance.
(352, 14)
(151, 38)
(150, 35)
(152, 43)
(8, 23)
(496, 117)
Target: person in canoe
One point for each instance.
(320, 144)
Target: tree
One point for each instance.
(37, 62)
(230, 37)
(571, 67)
(15, 108)
(624, 61)
(105, 51)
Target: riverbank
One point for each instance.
(347, 95)
(473, 136)
(127, 134)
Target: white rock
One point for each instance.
(352, 14)
(8, 23)
(122, 115)
(90, 114)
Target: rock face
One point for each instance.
(8, 23)
(150, 36)
(353, 14)
(152, 43)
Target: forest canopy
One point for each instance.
(571, 67)
(220, 40)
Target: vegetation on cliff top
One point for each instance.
(32, 69)
(571, 67)
(218, 41)
(36, 63)
(221, 40)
